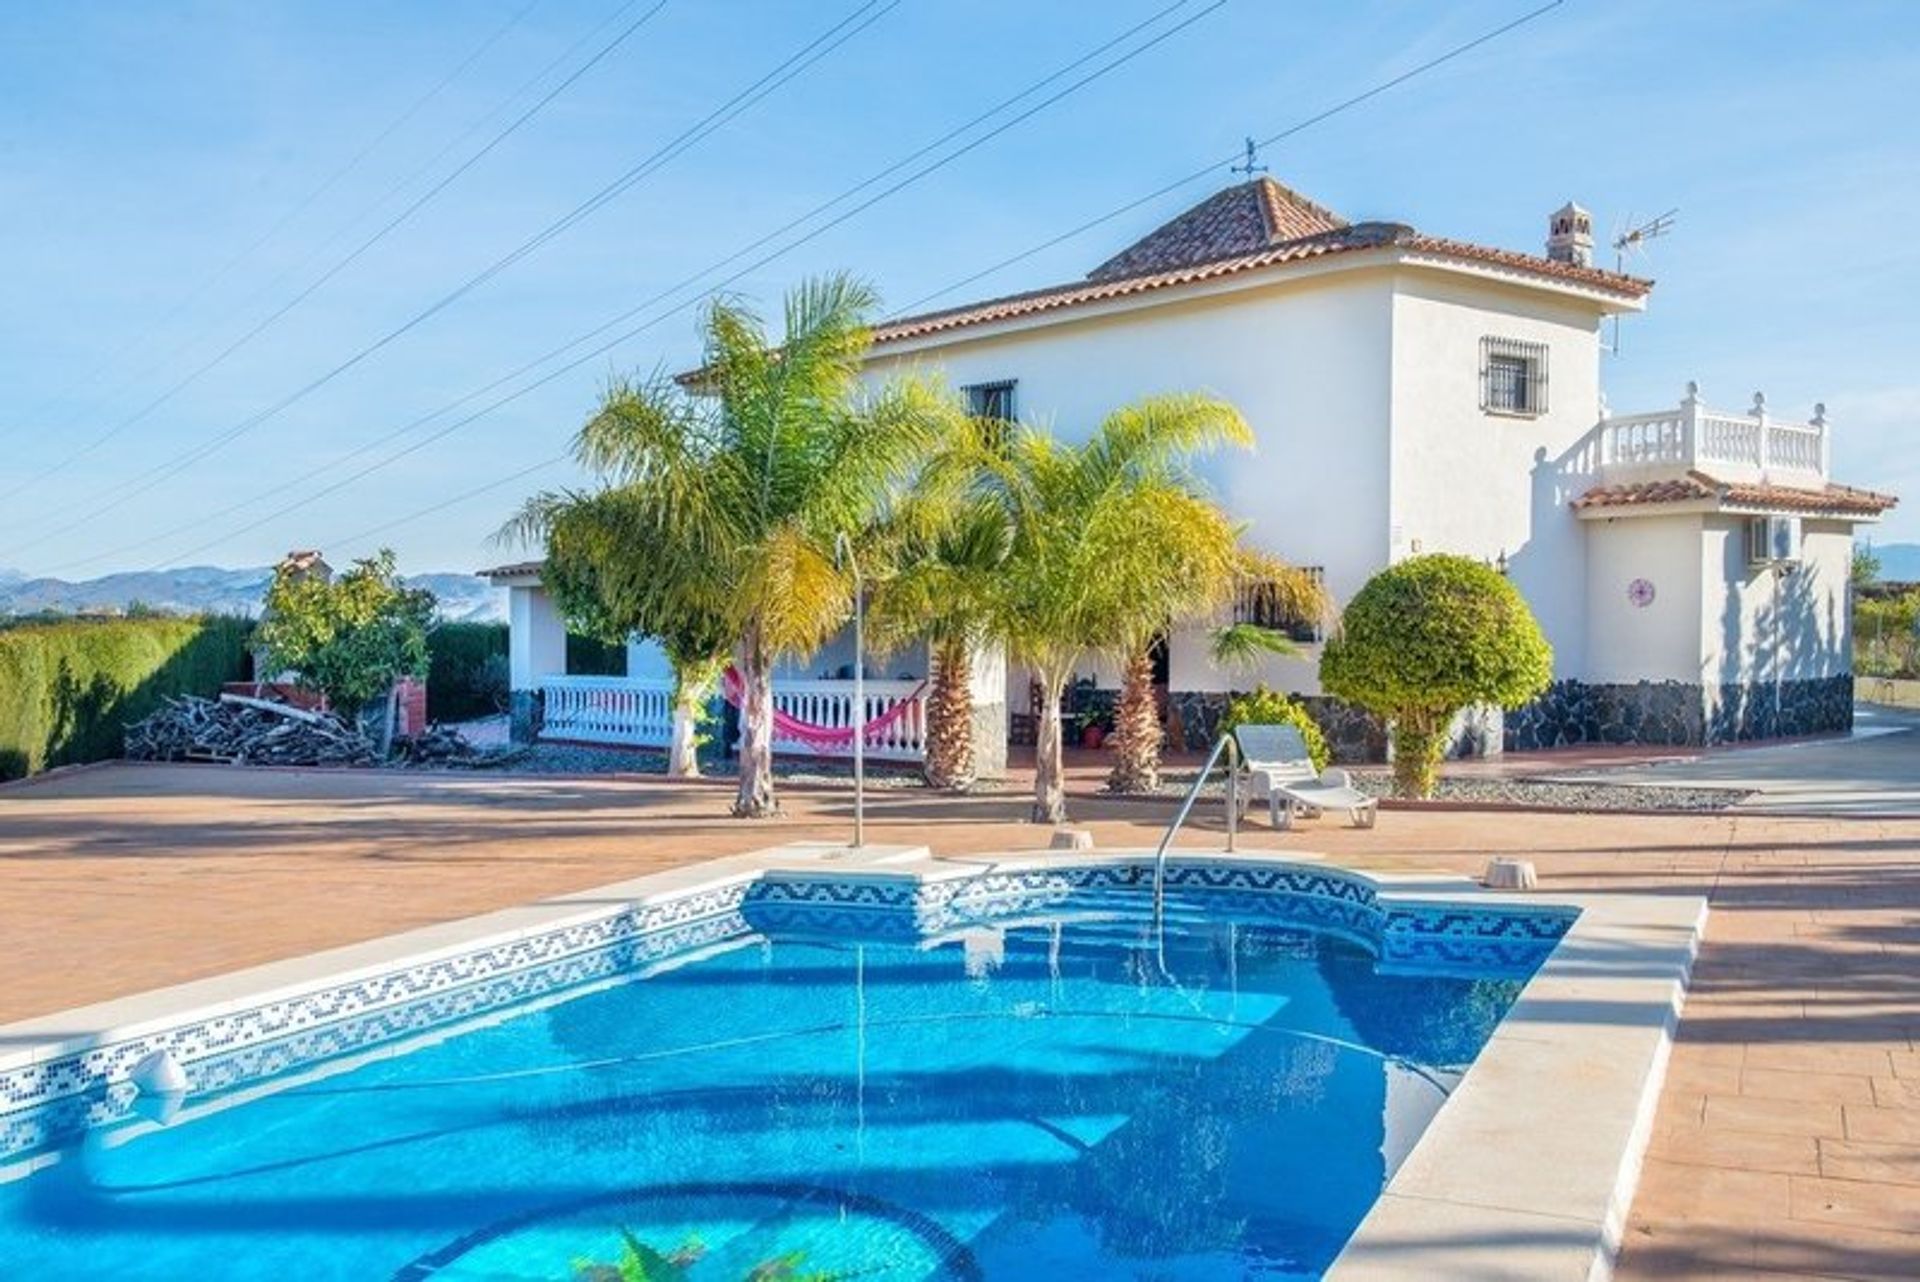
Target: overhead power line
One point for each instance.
(828, 41)
(872, 180)
(1307, 123)
(309, 497)
(1252, 146)
(339, 266)
(300, 206)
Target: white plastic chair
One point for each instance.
(1278, 766)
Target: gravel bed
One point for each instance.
(1550, 794)
(585, 759)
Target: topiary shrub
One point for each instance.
(1426, 638)
(1264, 707)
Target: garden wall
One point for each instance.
(67, 689)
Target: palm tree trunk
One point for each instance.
(1049, 772)
(755, 799)
(683, 751)
(1136, 731)
(950, 763)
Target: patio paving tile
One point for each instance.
(1772, 1116)
(1836, 1088)
(1800, 1030)
(1877, 1163)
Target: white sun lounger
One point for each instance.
(1277, 765)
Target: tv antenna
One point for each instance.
(1250, 167)
(1633, 241)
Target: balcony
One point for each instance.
(1750, 448)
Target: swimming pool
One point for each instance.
(1019, 1080)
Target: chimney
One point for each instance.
(1570, 236)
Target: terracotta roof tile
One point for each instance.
(1239, 220)
(1839, 500)
(1244, 228)
(512, 570)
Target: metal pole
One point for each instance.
(1233, 791)
(844, 548)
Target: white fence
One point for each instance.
(1732, 447)
(619, 710)
(830, 703)
(636, 712)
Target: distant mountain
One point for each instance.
(1899, 562)
(208, 589)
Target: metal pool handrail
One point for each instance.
(1227, 745)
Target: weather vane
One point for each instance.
(1250, 168)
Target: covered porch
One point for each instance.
(812, 698)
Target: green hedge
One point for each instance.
(468, 678)
(467, 672)
(67, 689)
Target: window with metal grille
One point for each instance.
(1265, 605)
(1513, 376)
(991, 400)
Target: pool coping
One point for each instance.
(1507, 1180)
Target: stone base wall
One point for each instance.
(990, 740)
(1762, 710)
(1356, 736)
(1679, 713)
(525, 712)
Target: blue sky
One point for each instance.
(143, 148)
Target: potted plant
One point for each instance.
(1093, 724)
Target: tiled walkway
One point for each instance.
(1788, 1142)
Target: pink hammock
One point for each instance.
(819, 738)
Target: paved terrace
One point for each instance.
(1788, 1141)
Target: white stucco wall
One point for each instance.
(1761, 625)
(1481, 484)
(646, 660)
(536, 637)
(1306, 361)
(1661, 640)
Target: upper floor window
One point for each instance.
(992, 400)
(1513, 376)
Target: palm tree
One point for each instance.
(748, 472)
(672, 596)
(1286, 591)
(947, 549)
(1110, 541)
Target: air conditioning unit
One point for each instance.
(1773, 540)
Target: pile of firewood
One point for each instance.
(238, 729)
(440, 745)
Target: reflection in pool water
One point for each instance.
(1058, 1098)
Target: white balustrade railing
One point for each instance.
(830, 703)
(638, 712)
(1732, 447)
(630, 711)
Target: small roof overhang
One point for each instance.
(1698, 492)
(520, 574)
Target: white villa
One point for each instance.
(1410, 394)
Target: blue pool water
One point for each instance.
(1061, 1096)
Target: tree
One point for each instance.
(1426, 638)
(741, 480)
(940, 584)
(1285, 591)
(1109, 541)
(1865, 570)
(349, 638)
(674, 595)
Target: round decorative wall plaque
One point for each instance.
(1640, 592)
